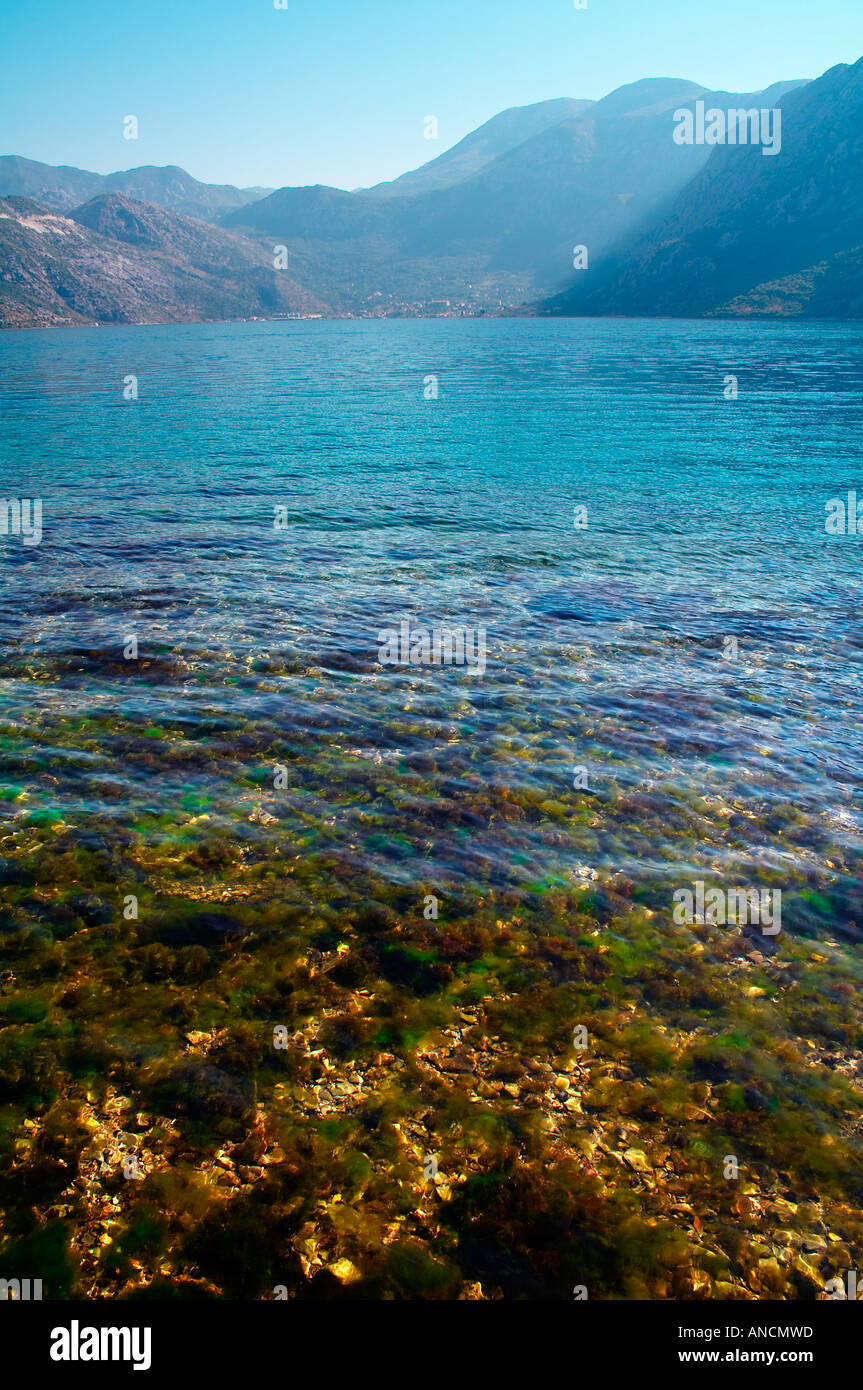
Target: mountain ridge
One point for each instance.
(63, 187)
(490, 226)
(505, 233)
(745, 224)
(480, 147)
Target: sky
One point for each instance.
(337, 91)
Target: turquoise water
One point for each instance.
(235, 835)
(605, 645)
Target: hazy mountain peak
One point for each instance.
(646, 95)
(496, 137)
(653, 95)
(749, 234)
(63, 186)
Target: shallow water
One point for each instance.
(281, 807)
(605, 645)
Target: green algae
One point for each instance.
(700, 1044)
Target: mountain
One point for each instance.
(65, 188)
(489, 226)
(54, 186)
(499, 135)
(116, 260)
(832, 289)
(751, 234)
(503, 234)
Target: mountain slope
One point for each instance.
(748, 222)
(832, 289)
(502, 235)
(496, 137)
(668, 228)
(64, 187)
(119, 261)
(54, 186)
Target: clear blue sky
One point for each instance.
(335, 91)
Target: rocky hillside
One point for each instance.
(119, 261)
